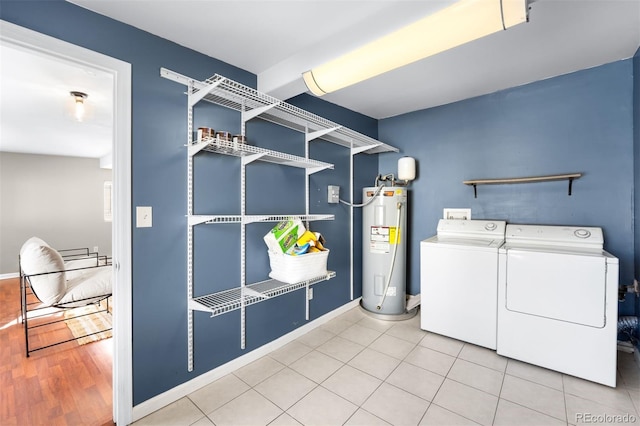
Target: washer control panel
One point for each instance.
(471, 228)
(570, 236)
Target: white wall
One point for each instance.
(59, 199)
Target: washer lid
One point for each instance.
(485, 229)
(555, 236)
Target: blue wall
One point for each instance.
(159, 162)
(580, 122)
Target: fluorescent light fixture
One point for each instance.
(460, 23)
(80, 97)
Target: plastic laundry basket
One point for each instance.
(294, 269)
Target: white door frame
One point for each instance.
(37, 43)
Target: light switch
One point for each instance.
(143, 217)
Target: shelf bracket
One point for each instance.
(197, 220)
(570, 185)
(246, 220)
(197, 147)
(196, 97)
(246, 159)
(358, 150)
(475, 191)
(248, 115)
(312, 170)
(320, 133)
(195, 306)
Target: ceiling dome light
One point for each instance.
(80, 97)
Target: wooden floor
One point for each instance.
(62, 385)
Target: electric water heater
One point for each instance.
(384, 250)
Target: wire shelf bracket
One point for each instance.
(361, 149)
(195, 148)
(320, 133)
(250, 158)
(195, 97)
(248, 115)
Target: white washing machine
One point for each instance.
(459, 280)
(558, 300)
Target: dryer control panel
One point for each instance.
(557, 236)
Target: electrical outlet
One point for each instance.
(310, 294)
(333, 194)
(95, 249)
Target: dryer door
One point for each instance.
(560, 286)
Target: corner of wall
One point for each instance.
(636, 158)
(636, 175)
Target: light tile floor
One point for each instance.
(356, 370)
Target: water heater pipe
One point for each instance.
(375, 194)
(393, 258)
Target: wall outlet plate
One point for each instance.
(462, 214)
(333, 194)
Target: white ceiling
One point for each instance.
(279, 39)
(37, 110)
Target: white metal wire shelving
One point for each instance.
(233, 299)
(252, 153)
(252, 103)
(197, 219)
(245, 294)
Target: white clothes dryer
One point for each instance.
(558, 300)
(459, 280)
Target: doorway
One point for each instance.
(39, 44)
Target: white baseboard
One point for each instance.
(9, 275)
(159, 401)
